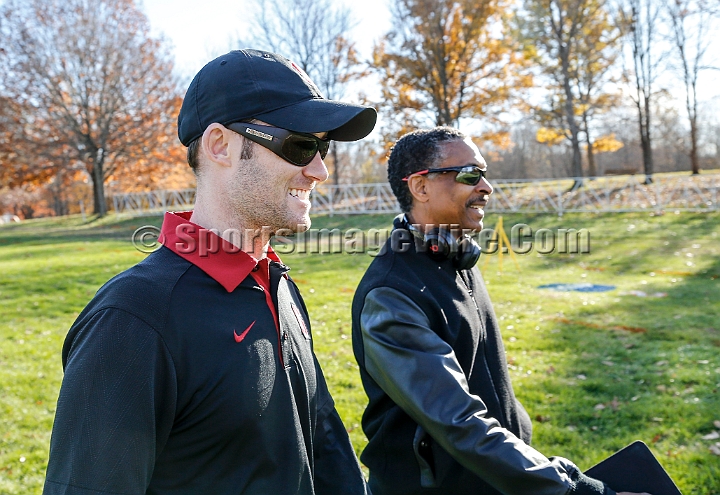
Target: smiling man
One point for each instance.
(442, 417)
(193, 372)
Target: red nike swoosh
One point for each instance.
(239, 338)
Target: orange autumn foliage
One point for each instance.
(445, 60)
(92, 97)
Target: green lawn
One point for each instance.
(595, 370)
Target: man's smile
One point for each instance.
(478, 204)
(302, 194)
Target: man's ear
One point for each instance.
(216, 144)
(418, 185)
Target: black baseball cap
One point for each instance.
(252, 84)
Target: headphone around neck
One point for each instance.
(440, 244)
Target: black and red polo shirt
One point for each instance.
(193, 372)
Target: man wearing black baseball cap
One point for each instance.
(193, 372)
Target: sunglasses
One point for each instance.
(469, 174)
(297, 148)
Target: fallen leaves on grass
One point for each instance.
(601, 327)
(714, 435)
(712, 276)
(673, 272)
(613, 404)
(592, 268)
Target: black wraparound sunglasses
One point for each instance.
(468, 174)
(298, 148)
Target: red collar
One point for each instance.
(220, 259)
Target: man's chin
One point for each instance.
(302, 224)
(472, 226)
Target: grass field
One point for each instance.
(595, 370)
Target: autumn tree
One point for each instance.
(598, 50)
(444, 60)
(575, 46)
(640, 20)
(691, 22)
(93, 88)
(21, 164)
(315, 34)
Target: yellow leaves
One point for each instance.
(553, 136)
(500, 140)
(581, 108)
(608, 143)
(549, 136)
(449, 58)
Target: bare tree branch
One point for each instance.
(691, 21)
(315, 35)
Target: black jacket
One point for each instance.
(177, 385)
(442, 417)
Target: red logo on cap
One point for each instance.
(305, 77)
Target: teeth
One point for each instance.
(300, 193)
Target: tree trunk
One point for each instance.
(691, 108)
(27, 211)
(100, 207)
(336, 165)
(645, 144)
(572, 124)
(694, 161)
(577, 157)
(592, 172)
(647, 157)
(645, 139)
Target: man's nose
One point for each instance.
(316, 169)
(484, 186)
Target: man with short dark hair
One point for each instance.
(442, 417)
(193, 372)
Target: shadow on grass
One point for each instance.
(658, 384)
(73, 229)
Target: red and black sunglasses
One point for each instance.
(468, 174)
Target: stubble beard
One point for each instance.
(255, 203)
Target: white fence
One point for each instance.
(597, 194)
(154, 201)
(608, 194)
